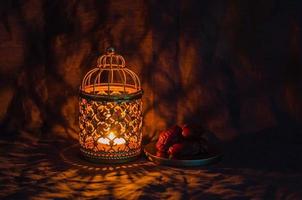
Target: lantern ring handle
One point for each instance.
(110, 50)
(111, 60)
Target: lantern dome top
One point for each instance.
(111, 79)
(111, 60)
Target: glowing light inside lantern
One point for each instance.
(119, 141)
(111, 136)
(104, 141)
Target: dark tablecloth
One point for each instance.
(48, 169)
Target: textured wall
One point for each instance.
(233, 66)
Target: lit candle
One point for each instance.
(104, 141)
(111, 137)
(119, 141)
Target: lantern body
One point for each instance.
(110, 108)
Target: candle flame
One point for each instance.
(111, 136)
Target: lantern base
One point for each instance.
(94, 157)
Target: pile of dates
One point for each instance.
(182, 142)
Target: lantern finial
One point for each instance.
(111, 60)
(110, 50)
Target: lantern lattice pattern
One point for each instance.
(110, 111)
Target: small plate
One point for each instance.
(150, 151)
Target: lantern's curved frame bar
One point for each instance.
(112, 64)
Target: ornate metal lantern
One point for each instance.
(110, 111)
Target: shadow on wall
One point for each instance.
(233, 67)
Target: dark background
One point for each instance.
(232, 66)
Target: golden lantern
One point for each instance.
(110, 111)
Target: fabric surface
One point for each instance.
(232, 66)
(48, 169)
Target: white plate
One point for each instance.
(150, 151)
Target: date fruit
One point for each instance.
(183, 149)
(168, 138)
